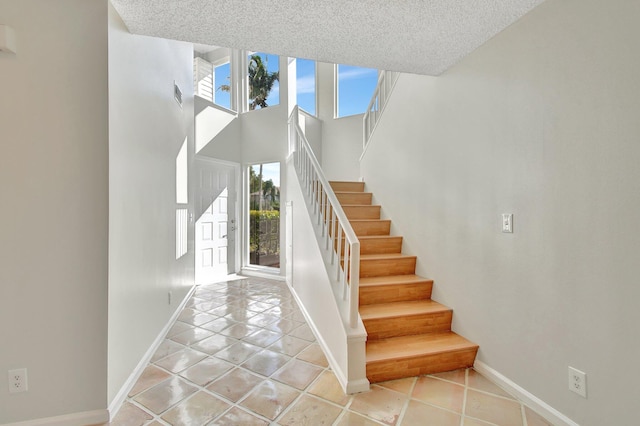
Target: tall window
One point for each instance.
(264, 85)
(264, 215)
(355, 88)
(306, 85)
(213, 80)
(222, 94)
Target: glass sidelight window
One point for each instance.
(264, 215)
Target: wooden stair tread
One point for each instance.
(416, 345)
(355, 205)
(365, 221)
(369, 222)
(380, 244)
(391, 280)
(394, 288)
(337, 185)
(395, 303)
(352, 192)
(401, 309)
(352, 197)
(377, 265)
(361, 212)
(386, 256)
(361, 206)
(371, 226)
(376, 237)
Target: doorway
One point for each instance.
(264, 215)
(216, 227)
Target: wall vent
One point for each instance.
(177, 94)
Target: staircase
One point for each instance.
(408, 333)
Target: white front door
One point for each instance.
(216, 220)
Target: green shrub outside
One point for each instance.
(255, 218)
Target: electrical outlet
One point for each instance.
(18, 380)
(578, 382)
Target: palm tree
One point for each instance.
(261, 82)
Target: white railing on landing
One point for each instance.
(341, 246)
(386, 82)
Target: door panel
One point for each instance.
(215, 216)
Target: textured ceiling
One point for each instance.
(417, 36)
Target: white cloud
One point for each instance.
(269, 171)
(274, 93)
(356, 72)
(306, 84)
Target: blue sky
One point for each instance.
(222, 74)
(355, 86)
(269, 171)
(306, 82)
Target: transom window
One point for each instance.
(354, 89)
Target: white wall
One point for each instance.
(264, 135)
(264, 131)
(341, 137)
(253, 137)
(53, 220)
(217, 132)
(147, 129)
(312, 128)
(217, 55)
(540, 122)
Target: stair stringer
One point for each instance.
(319, 295)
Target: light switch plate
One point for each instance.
(507, 222)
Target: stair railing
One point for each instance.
(341, 246)
(386, 82)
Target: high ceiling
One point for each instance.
(416, 36)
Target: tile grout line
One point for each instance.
(464, 397)
(405, 406)
(250, 297)
(203, 388)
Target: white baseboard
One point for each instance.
(75, 419)
(135, 374)
(358, 386)
(260, 274)
(536, 404)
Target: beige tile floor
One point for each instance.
(241, 353)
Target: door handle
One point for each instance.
(224, 236)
